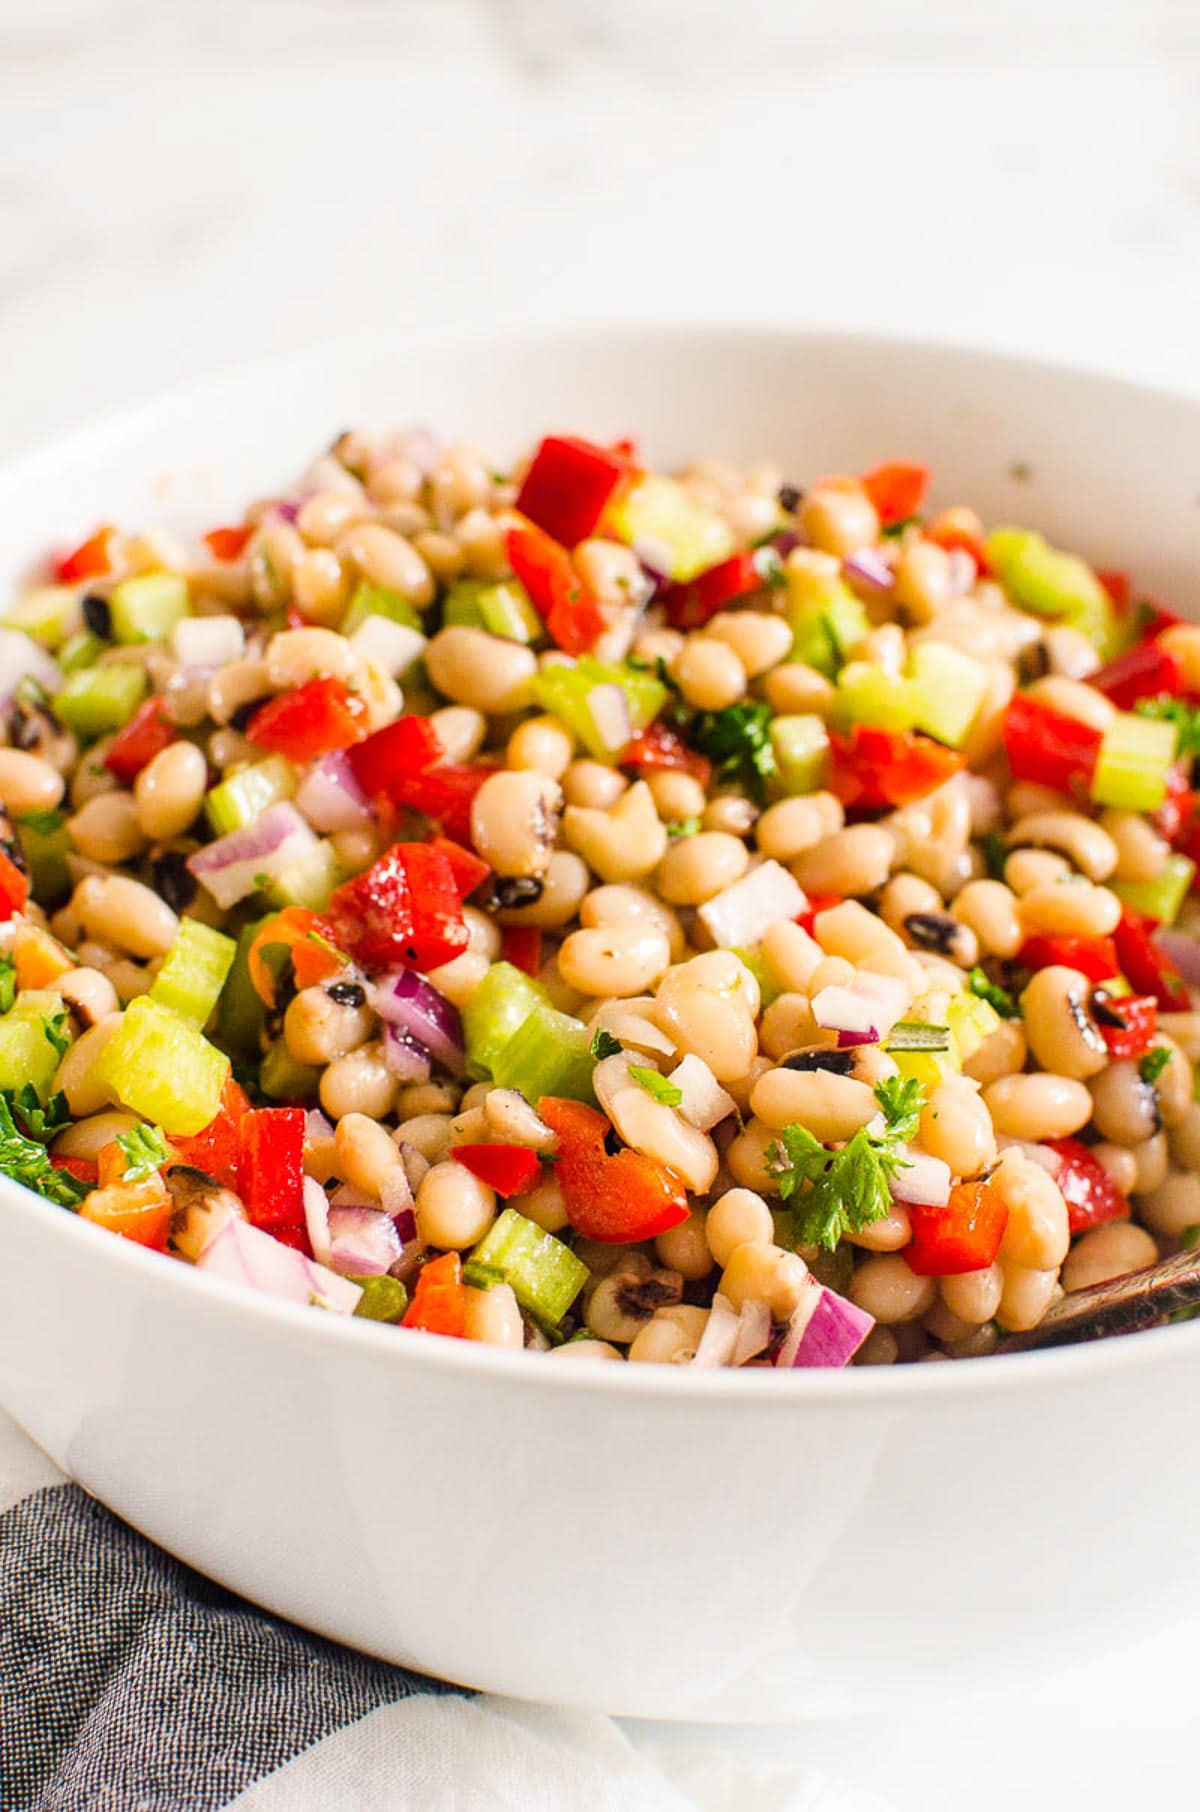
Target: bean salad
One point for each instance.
(726, 918)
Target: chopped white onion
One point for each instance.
(207, 642)
(869, 1003)
(922, 1179)
(316, 1218)
(704, 1102)
(390, 645)
(21, 658)
(753, 1332)
(230, 867)
(330, 796)
(720, 1335)
(737, 917)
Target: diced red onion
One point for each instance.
(330, 797)
(1181, 950)
(404, 998)
(610, 713)
(245, 1254)
(850, 1040)
(230, 867)
(753, 1332)
(397, 1200)
(869, 568)
(363, 1241)
(390, 645)
(655, 556)
(316, 1218)
(922, 1179)
(870, 1003)
(704, 1102)
(826, 1330)
(404, 1056)
(284, 510)
(201, 644)
(415, 1164)
(720, 1335)
(737, 917)
(785, 541)
(21, 658)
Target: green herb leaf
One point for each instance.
(1154, 1063)
(36, 1121)
(997, 997)
(834, 1193)
(1185, 717)
(55, 1030)
(683, 827)
(769, 566)
(669, 1093)
(145, 1151)
(738, 739)
(28, 1162)
(995, 854)
(43, 824)
(8, 983)
(891, 530)
(604, 1045)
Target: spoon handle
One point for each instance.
(1122, 1305)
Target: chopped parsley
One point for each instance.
(892, 530)
(36, 1121)
(55, 1030)
(683, 827)
(43, 824)
(834, 1193)
(769, 566)
(738, 740)
(27, 1161)
(8, 982)
(604, 1045)
(669, 1093)
(1177, 711)
(995, 854)
(144, 1149)
(1153, 1064)
(998, 998)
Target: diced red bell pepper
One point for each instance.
(817, 903)
(384, 761)
(1175, 817)
(521, 945)
(612, 1199)
(310, 941)
(309, 721)
(690, 603)
(132, 1211)
(1145, 671)
(1143, 964)
(1048, 747)
(215, 1148)
(1138, 1023)
(897, 489)
(950, 532)
(84, 1170)
(1155, 617)
(873, 769)
(227, 543)
(508, 1169)
(1095, 957)
(270, 1166)
(148, 732)
(89, 560)
(404, 909)
(1119, 587)
(569, 485)
(14, 888)
(444, 795)
(573, 619)
(469, 870)
(439, 1304)
(658, 746)
(1089, 1192)
(963, 1236)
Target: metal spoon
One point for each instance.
(1123, 1305)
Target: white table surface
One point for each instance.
(186, 184)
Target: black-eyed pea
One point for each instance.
(458, 483)
(415, 1098)
(1037, 1234)
(107, 829)
(92, 1132)
(618, 903)
(677, 796)
(494, 1317)
(832, 1106)
(685, 1249)
(1072, 698)
(360, 1082)
(617, 1306)
(1040, 1106)
(356, 849)
(749, 1158)
(1124, 1106)
(787, 1025)
(514, 821)
(585, 1347)
(295, 656)
(738, 1215)
(945, 1326)
(387, 559)
(461, 730)
(693, 869)
(471, 667)
(670, 1337)
(426, 1133)
(786, 830)
(1084, 842)
(1106, 1252)
(545, 1206)
(759, 638)
(1184, 1139)
(731, 813)
(319, 1027)
(851, 862)
(610, 573)
(1071, 908)
(543, 744)
(1174, 1206)
(1151, 1162)
(761, 1271)
(441, 554)
(482, 539)
(271, 554)
(957, 1127)
(89, 993)
(924, 579)
(838, 519)
(75, 1074)
(1119, 1162)
(796, 689)
(891, 1233)
(321, 587)
(1026, 1296)
(169, 791)
(904, 895)
(1059, 1026)
(593, 784)
(974, 1296)
(1173, 1085)
(125, 913)
(367, 1156)
(884, 1287)
(1025, 869)
(709, 673)
(1001, 1053)
(616, 960)
(879, 1348)
(989, 908)
(1141, 852)
(454, 1208)
(1183, 1029)
(708, 1006)
(660, 644)
(624, 842)
(28, 783)
(564, 885)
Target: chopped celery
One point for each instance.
(147, 607)
(1161, 898)
(96, 700)
(565, 691)
(377, 601)
(308, 883)
(502, 609)
(1131, 771)
(240, 1012)
(49, 614)
(950, 687)
(868, 694)
(81, 650)
(928, 1068)
(282, 1078)
(671, 531)
(826, 619)
(163, 1068)
(383, 1298)
(548, 1054)
(503, 1000)
(46, 843)
(971, 1019)
(801, 746)
(194, 971)
(1042, 579)
(244, 796)
(34, 1035)
(544, 1274)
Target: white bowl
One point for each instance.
(636, 1538)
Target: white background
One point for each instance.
(185, 184)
